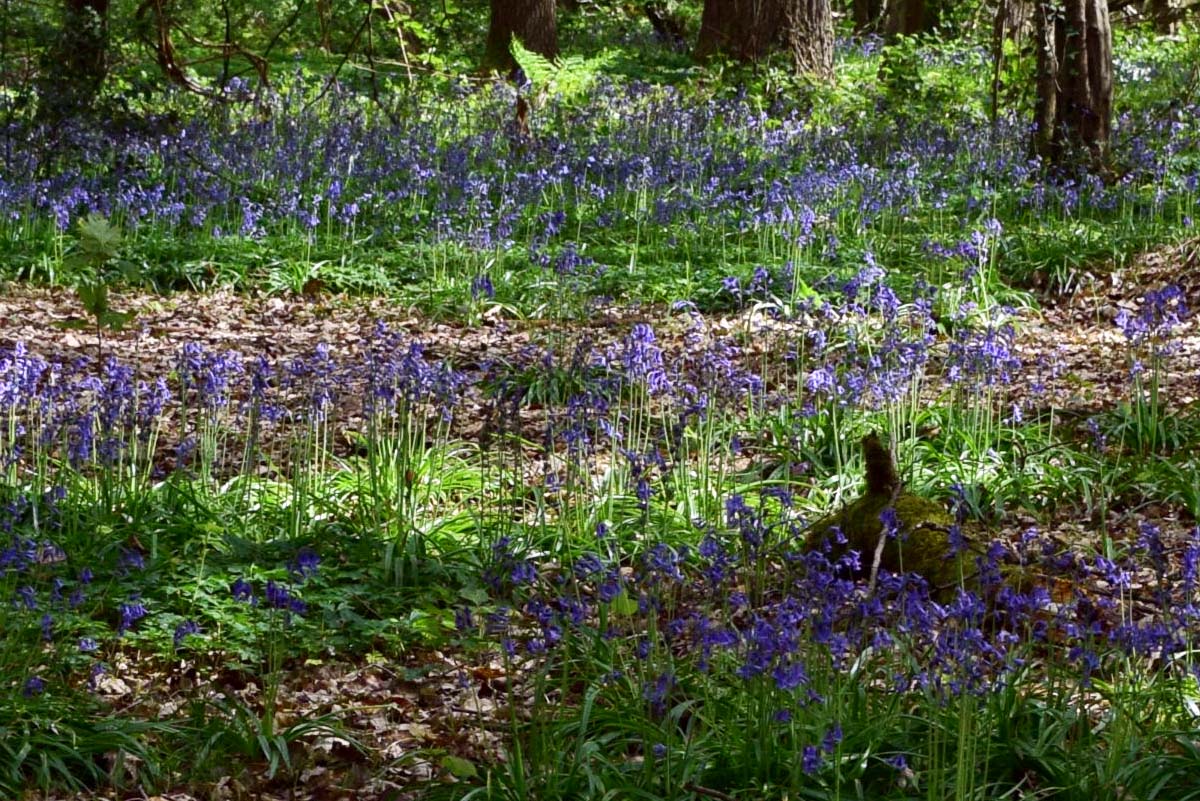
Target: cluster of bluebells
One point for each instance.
(693, 616)
(108, 416)
(401, 378)
(634, 390)
(96, 416)
(275, 595)
(1160, 315)
(543, 619)
(982, 357)
(863, 347)
(322, 169)
(49, 607)
(47, 597)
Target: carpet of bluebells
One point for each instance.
(640, 192)
(607, 529)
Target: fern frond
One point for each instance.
(537, 68)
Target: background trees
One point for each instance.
(1073, 112)
(808, 28)
(531, 21)
(744, 30)
(77, 63)
(57, 55)
(748, 30)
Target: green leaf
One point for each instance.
(538, 69)
(568, 78)
(459, 768)
(477, 594)
(98, 237)
(73, 324)
(115, 320)
(623, 605)
(94, 297)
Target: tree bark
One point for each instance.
(1073, 111)
(78, 62)
(1164, 16)
(748, 30)
(745, 30)
(531, 21)
(668, 27)
(905, 18)
(867, 14)
(809, 34)
(1018, 19)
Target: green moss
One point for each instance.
(923, 542)
(920, 547)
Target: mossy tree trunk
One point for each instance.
(1073, 112)
(531, 21)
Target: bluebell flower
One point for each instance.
(790, 676)
(481, 286)
(832, 738)
(241, 590)
(184, 629)
(523, 572)
(306, 564)
(655, 692)
(464, 622)
(131, 612)
(28, 597)
(811, 760)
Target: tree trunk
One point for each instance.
(531, 21)
(745, 30)
(1018, 19)
(325, 25)
(905, 18)
(1164, 16)
(867, 14)
(809, 33)
(1073, 113)
(668, 26)
(78, 63)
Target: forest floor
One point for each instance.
(457, 703)
(1076, 331)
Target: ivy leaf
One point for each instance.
(476, 594)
